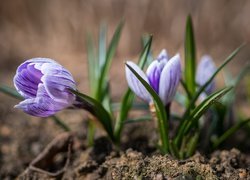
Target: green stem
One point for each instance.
(60, 123)
(191, 146)
(162, 126)
(91, 133)
(125, 107)
(174, 150)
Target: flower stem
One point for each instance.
(91, 133)
(60, 123)
(162, 128)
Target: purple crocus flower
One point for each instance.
(205, 70)
(163, 75)
(44, 85)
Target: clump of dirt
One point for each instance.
(104, 161)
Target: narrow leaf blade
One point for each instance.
(190, 67)
(10, 92)
(109, 56)
(229, 132)
(192, 120)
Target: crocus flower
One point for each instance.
(163, 75)
(44, 85)
(205, 70)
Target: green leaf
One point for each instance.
(192, 120)
(93, 68)
(145, 53)
(160, 112)
(102, 45)
(106, 99)
(174, 150)
(190, 67)
(109, 56)
(10, 92)
(96, 109)
(199, 110)
(229, 132)
(202, 88)
(145, 39)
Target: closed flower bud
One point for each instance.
(206, 68)
(45, 85)
(163, 75)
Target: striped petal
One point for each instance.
(134, 84)
(163, 56)
(45, 85)
(169, 80)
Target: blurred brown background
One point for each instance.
(57, 29)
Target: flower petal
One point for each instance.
(154, 72)
(58, 87)
(170, 78)
(41, 107)
(134, 84)
(205, 70)
(163, 56)
(26, 83)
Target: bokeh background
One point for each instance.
(57, 29)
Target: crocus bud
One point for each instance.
(45, 85)
(163, 75)
(205, 70)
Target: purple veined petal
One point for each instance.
(59, 103)
(57, 87)
(37, 74)
(155, 68)
(134, 84)
(25, 83)
(169, 80)
(22, 67)
(163, 56)
(153, 74)
(41, 107)
(205, 70)
(38, 62)
(56, 69)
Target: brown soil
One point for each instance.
(67, 157)
(103, 162)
